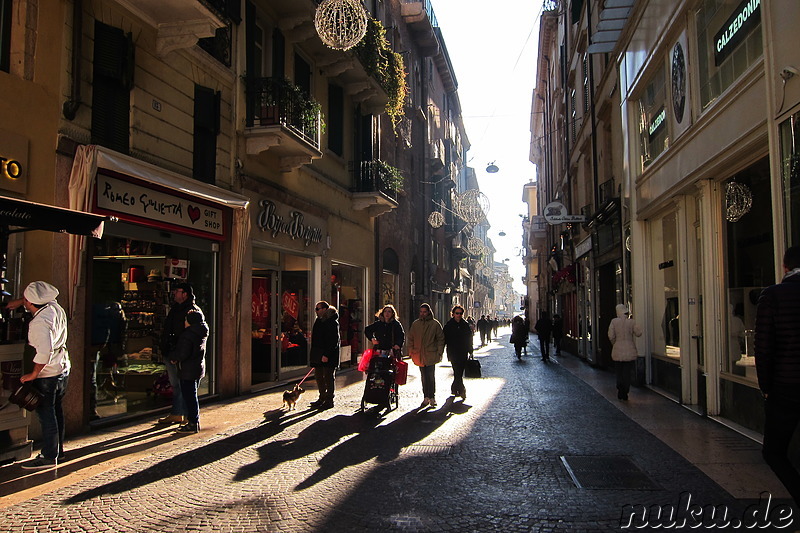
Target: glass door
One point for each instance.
(263, 331)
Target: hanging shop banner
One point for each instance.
(123, 197)
(556, 213)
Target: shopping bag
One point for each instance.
(401, 372)
(472, 368)
(363, 364)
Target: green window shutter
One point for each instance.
(206, 128)
(335, 119)
(112, 79)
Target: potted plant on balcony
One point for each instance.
(391, 178)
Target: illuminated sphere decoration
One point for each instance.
(341, 24)
(474, 246)
(472, 206)
(436, 219)
(738, 200)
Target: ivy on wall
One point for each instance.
(385, 65)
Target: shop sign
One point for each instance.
(556, 213)
(746, 17)
(161, 207)
(289, 222)
(583, 247)
(13, 162)
(290, 304)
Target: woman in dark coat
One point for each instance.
(189, 356)
(386, 333)
(458, 342)
(519, 335)
(324, 355)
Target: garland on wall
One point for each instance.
(386, 66)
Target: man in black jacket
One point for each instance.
(174, 324)
(777, 352)
(324, 356)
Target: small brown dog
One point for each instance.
(290, 397)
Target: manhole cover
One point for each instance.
(607, 472)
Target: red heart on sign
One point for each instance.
(194, 213)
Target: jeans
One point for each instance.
(458, 376)
(51, 414)
(544, 346)
(781, 418)
(178, 404)
(189, 394)
(428, 375)
(624, 376)
(326, 380)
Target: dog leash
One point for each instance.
(302, 380)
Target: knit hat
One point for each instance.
(40, 292)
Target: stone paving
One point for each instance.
(490, 463)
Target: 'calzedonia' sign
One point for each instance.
(736, 28)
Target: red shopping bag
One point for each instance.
(401, 372)
(363, 364)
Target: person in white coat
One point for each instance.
(621, 332)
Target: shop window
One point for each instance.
(726, 50)
(335, 119)
(112, 81)
(749, 264)
(653, 131)
(347, 296)
(790, 168)
(5, 34)
(130, 287)
(206, 129)
(666, 313)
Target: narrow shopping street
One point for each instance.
(495, 462)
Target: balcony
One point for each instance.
(180, 23)
(375, 187)
(283, 122)
(538, 233)
(437, 155)
(421, 21)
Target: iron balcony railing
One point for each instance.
(277, 101)
(374, 176)
(428, 10)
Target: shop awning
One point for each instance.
(25, 215)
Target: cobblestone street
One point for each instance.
(490, 463)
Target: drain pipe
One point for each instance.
(70, 108)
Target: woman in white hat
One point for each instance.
(47, 334)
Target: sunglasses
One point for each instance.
(458, 312)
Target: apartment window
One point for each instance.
(5, 35)
(728, 43)
(336, 119)
(206, 129)
(302, 74)
(112, 82)
(653, 130)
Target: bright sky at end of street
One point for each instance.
(493, 52)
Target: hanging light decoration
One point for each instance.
(472, 206)
(341, 24)
(738, 200)
(436, 219)
(487, 271)
(492, 168)
(474, 246)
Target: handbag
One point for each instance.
(363, 364)
(26, 396)
(472, 368)
(401, 372)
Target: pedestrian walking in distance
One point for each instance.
(777, 352)
(189, 356)
(458, 341)
(544, 328)
(425, 341)
(519, 335)
(483, 329)
(325, 342)
(558, 332)
(621, 332)
(47, 335)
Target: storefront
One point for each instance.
(171, 230)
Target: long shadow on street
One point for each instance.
(274, 423)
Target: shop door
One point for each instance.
(698, 385)
(264, 325)
(606, 278)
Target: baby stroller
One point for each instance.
(381, 387)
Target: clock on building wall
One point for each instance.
(678, 82)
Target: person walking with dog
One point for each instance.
(47, 335)
(174, 324)
(458, 341)
(777, 352)
(189, 357)
(425, 343)
(621, 332)
(386, 333)
(325, 342)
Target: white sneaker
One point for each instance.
(433, 402)
(425, 402)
